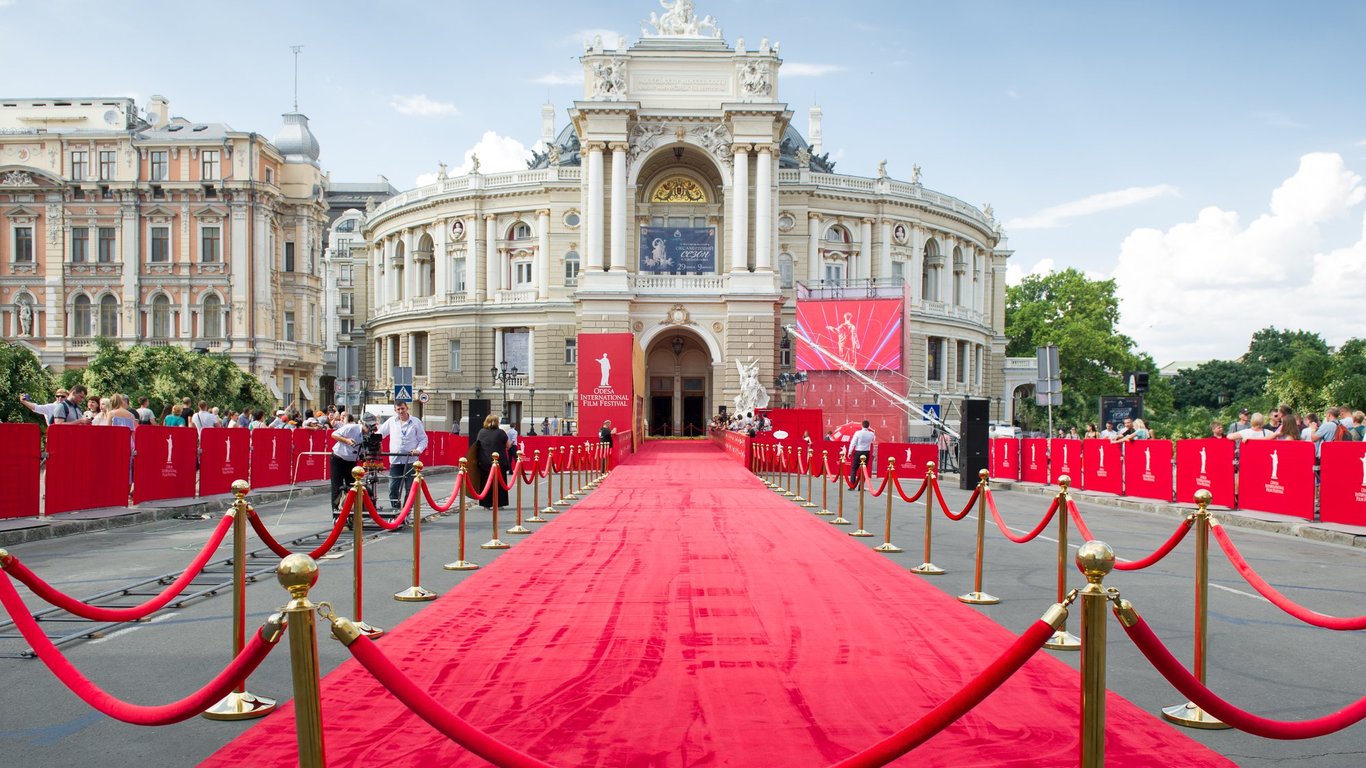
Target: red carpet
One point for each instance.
(683, 616)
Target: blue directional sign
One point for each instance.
(403, 394)
(930, 410)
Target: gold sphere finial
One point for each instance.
(930, 465)
(1064, 481)
(240, 488)
(358, 472)
(1096, 559)
(464, 463)
(983, 474)
(5, 557)
(297, 573)
(417, 466)
(1203, 497)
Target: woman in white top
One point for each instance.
(1254, 431)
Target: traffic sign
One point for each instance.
(403, 376)
(403, 394)
(930, 409)
(423, 397)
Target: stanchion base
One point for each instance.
(241, 705)
(824, 512)
(1062, 640)
(840, 521)
(368, 630)
(549, 509)
(799, 500)
(1192, 716)
(860, 533)
(461, 565)
(809, 505)
(518, 529)
(789, 495)
(536, 518)
(978, 598)
(928, 569)
(414, 594)
(888, 547)
(494, 544)
(561, 503)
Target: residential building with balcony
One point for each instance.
(345, 289)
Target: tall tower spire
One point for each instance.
(296, 49)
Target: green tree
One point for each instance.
(1272, 349)
(23, 374)
(166, 374)
(1348, 383)
(1217, 384)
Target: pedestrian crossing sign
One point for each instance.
(403, 394)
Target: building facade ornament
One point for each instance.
(680, 20)
(716, 140)
(677, 315)
(609, 79)
(643, 138)
(755, 78)
(17, 179)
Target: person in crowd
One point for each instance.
(46, 410)
(860, 448)
(1125, 433)
(513, 449)
(1243, 422)
(1359, 425)
(145, 413)
(93, 406)
(1141, 431)
(346, 439)
(1345, 419)
(545, 426)
(245, 418)
(70, 412)
(1109, 432)
(100, 415)
(279, 422)
(186, 409)
(120, 415)
(204, 418)
(311, 423)
(407, 440)
(1287, 426)
(1256, 430)
(490, 440)
(1216, 429)
(1326, 432)
(555, 425)
(1091, 432)
(170, 417)
(232, 421)
(605, 433)
(258, 420)
(1072, 434)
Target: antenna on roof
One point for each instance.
(296, 49)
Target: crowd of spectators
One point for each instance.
(748, 423)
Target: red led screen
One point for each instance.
(866, 334)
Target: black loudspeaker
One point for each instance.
(972, 441)
(478, 410)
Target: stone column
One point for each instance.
(490, 256)
(618, 206)
(543, 254)
(409, 267)
(813, 247)
(763, 209)
(377, 273)
(739, 210)
(391, 287)
(865, 261)
(885, 251)
(592, 220)
(917, 263)
(472, 260)
(441, 259)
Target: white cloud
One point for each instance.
(1015, 274)
(1054, 217)
(803, 69)
(1012, 93)
(1201, 288)
(497, 154)
(557, 78)
(419, 105)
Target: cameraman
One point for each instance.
(407, 440)
(345, 454)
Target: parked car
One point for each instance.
(1002, 429)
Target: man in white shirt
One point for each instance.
(513, 448)
(407, 440)
(204, 417)
(860, 449)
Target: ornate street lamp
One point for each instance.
(531, 394)
(501, 374)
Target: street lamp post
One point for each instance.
(531, 395)
(501, 374)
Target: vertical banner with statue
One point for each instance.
(607, 384)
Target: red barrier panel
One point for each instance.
(88, 467)
(738, 447)
(271, 457)
(1004, 458)
(164, 461)
(1064, 458)
(384, 452)
(224, 456)
(911, 458)
(1342, 497)
(436, 450)
(303, 465)
(1102, 468)
(1277, 476)
(20, 469)
(1148, 469)
(1205, 463)
(1034, 460)
(321, 444)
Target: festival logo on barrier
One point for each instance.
(1034, 462)
(864, 335)
(168, 469)
(606, 381)
(1342, 496)
(1101, 467)
(912, 459)
(1207, 464)
(1065, 451)
(1277, 476)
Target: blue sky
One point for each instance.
(1207, 155)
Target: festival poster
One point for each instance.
(1342, 494)
(606, 383)
(1277, 476)
(1102, 469)
(102, 455)
(19, 469)
(678, 250)
(1204, 463)
(911, 459)
(225, 456)
(271, 457)
(1064, 459)
(1034, 460)
(863, 334)
(164, 460)
(1148, 469)
(1004, 458)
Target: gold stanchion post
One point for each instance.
(517, 473)
(928, 568)
(494, 477)
(461, 564)
(563, 501)
(887, 545)
(297, 574)
(862, 492)
(810, 457)
(1189, 714)
(977, 596)
(416, 593)
(1063, 640)
(1096, 559)
(797, 476)
(239, 704)
(825, 484)
(536, 490)
(358, 552)
(839, 517)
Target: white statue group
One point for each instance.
(752, 393)
(678, 20)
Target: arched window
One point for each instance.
(785, 265)
(929, 272)
(212, 322)
(161, 317)
(837, 234)
(81, 317)
(109, 316)
(520, 231)
(571, 268)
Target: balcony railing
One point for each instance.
(515, 296)
(873, 288)
(681, 284)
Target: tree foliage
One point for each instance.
(167, 374)
(1217, 384)
(23, 373)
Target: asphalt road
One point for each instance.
(1260, 659)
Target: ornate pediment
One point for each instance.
(679, 189)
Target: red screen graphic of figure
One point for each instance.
(846, 339)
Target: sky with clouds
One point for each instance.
(1208, 156)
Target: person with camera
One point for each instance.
(347, 439)
(407, 440)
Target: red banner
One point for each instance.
(271, 457)
(1004, 458)
(1205, 463)
(1342, 496)
(20, 469)
(305, 466)
(797, 422)
(88, 467)
(865, 334)
(1277, 476)
(1148, 469)
(1034, 460)
(737, 446)
(224, 456)
(1102, 469)
(164, 461)
(606, 383)
(1064, 458)
(911, 458)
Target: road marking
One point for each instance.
(132, 628)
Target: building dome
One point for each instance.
(295, 141)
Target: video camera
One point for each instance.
(371, 443)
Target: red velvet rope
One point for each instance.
(449, 724)
(1181, 679)
(86, 611)
(338, 526)
(449, 502)
(955, 706)
(924, 484)
(943, 505)
(398, 520)
(1038, 529)
(1281, 601)
(868, 478)
(1134, 565)
(1075, 514)
(233, 675)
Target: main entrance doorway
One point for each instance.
(678, 373)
